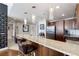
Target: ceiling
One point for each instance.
(42, 10)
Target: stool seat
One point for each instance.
(21, 40)
(28, 48)
(24, 47)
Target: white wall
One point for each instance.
(19, 30)
(43, 21)
(34, 29)
(11, 31)
(10, 5)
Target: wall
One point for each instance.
(41, 22)
(14, 27)
(19, 28)
(34, 29)
(11, 31)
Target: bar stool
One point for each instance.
(26, 49)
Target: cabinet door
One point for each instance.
(60, 31)
(42, 51)
(77, 15)
(55, 53)
(77, 10)
(70, 24)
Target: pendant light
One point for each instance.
(33, 14)
(51, 16)
(33, 18)
(25, 19)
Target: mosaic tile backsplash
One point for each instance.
(3, 25)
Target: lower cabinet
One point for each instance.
(44, 51)
(55, 53)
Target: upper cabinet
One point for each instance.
(77, 15)
(50, 23)
(77, 10)
(60, 31)
(70, 24)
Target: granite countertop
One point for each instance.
(63, 47)
(76, 36)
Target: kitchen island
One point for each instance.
(63, 47)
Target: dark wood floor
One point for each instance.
(9, 52)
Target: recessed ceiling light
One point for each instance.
(25, 12)
(33, 6)
(57, 7)
(62, 15)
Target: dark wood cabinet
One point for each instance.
(77, 10)
(70, 24)
(60, 31)
(41, 51)
(50, 23)
(77, 15)
(44, 51)
(54, 53)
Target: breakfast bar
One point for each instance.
(62, 47)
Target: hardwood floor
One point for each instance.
(9, 52)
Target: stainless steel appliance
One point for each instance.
(50, 32)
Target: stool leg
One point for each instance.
(33, 53)
(20, 53)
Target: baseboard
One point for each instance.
(4, 49)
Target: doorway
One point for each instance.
(11, 41)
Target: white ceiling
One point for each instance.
(42, 10)
(9, 6)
